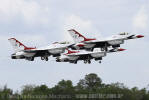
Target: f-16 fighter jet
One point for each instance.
(73, 56)
(90, 43)
(29, 53)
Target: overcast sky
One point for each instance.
(42, 22)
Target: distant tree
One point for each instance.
(63, 87)
(5, 93)
(81, 85)
(27, 89)
(91, 82)
(42, 90)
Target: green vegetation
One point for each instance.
(89, 88)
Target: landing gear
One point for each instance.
(104, 48)
(30, 58)
(44, 58)
(75, 62)
(87, 61)
(100, 61)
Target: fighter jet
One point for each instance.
(90, 43)
(73, 56)
(29, 53)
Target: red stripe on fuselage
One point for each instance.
(87, 39)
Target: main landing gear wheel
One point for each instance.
(85, 61)
(32, 58)
(89, 61)
(75, 62)
(100, 61)
(44, 58)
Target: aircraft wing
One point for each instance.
(35, 50)
(109, 39)
(84, 53)
(48, 48)
(100, 41)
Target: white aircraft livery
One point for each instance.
(91, 43)
(83, 49)
(29, 53)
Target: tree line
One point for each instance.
(89, 88)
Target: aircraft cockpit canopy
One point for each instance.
(123, 33)
(65, 42)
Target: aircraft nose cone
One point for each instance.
(121, 49)
(139, 36)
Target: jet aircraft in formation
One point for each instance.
(83, 48)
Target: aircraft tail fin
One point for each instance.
(77, 37)
(18, 46)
